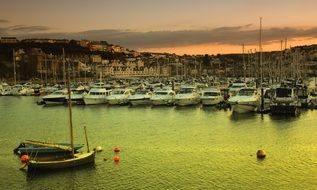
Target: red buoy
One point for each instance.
(116, 159)
(24, 158)
(116, 149)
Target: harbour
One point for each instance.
(164, 147)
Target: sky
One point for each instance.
(173, 26)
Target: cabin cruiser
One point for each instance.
(211, 96)
(303, 95)
(57, 97)
(246, 100)
(163, 97)
(119, 96)
(187, 95)
(235, 87)
(284, 101)
(97, 95)
(267, 98)
(141, 97)
(77, 95)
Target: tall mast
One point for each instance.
(14, 71)
(64, 68)
(70, 110)
(260, 50)
(244, 68)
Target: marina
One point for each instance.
(165, 147)
(143, 95)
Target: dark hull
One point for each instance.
(284, 110)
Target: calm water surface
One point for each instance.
(164, 147)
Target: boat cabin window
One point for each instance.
(186, 90)
(283, 92)
(246, 92)
(161, 93)
(118, 92)
(211, 94)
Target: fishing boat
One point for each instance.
(285, 101)
(97, 95)
(73, 160)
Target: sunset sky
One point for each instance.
(174, 26)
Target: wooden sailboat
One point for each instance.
(75, 159)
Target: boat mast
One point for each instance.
(260, 50)
(244, 67)
(14, 71)
(64, 68)
(261, 67)
(70, 109)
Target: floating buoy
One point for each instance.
(24, 158)
(98, 149)
(261, 154)
(116, 149)
(116, 159)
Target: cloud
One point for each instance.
(232, 35)
(23, 28)
(3, 21)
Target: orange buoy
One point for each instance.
(261, 154)
(24, 158)
(116, 149)
(116, 159)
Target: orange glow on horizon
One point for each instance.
(228, 49)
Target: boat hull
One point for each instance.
(284, 109)
(94, 100)
(144, 101)
(186, 102)
(243, 108)
(78, 160)
(54, 101)
(210, 102)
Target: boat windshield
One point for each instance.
(211, 94)
(186, 91)
(246, 92)
(283, 92)
(161, 93)
(118, 92)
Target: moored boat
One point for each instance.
(211, 96)
(246, 100)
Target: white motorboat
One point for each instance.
(187, 95)
(141, 97)
(77, 95)
(119, 96)
(57, 97)
(97, 95)
(163, 97)
(246, 100)
(235, 87)
(211, 96)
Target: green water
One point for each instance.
(164, 147)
